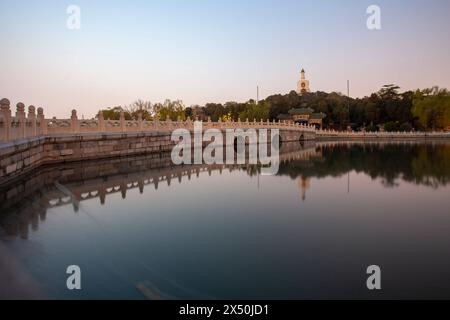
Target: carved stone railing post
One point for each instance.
(209, 122)
(122, 121)
(6, 117)
(32, 120)
(20, 115)
(168, 122)
(189, 123)
(42, 122)
(74, 124)
(156, 122)
(101, 122)
(140, 121)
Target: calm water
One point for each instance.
(141, 228)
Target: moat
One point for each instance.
(140, 227)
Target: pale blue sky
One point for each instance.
(214, 51)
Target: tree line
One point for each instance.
(422, 164)
(387, 109)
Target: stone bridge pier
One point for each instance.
(287, 135)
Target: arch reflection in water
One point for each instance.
(141, 227)
(24, 203)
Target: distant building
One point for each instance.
(303, 84)
(285, 117)
(305, 116)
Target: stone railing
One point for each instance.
(29, 125)
(333, 134)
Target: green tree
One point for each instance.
(214, 110)
(113, 113)
(391, 126)
(145, 108)
(253, 111)
(432, 108)
(170, 110)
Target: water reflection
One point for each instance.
(140, 227)
(24, 203)
(424, 164)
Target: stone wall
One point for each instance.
(296, 135)
(20, 157)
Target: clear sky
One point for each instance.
(214, 51)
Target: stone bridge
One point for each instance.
(23, 126)
(29, 140)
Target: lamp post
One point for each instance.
(348, 101)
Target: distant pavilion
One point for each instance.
(305, 116)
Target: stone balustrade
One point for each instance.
(333, 134)
(24, 125)
(29, 125)
(21, 125)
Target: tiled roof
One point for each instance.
(301, 111)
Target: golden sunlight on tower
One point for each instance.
(303, 84)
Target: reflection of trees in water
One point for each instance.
(424, 164)
(24, 204)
